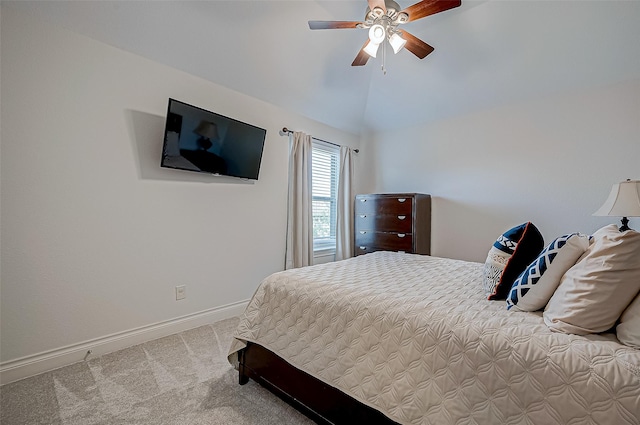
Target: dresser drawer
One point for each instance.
(385, 241)
(365, 249)
(400, 223)
(386, 205)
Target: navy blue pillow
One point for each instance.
(518, 246)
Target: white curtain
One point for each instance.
(344, 216)
(299, 249)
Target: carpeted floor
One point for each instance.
(182, 379)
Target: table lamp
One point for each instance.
(623, 201)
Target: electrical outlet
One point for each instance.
(181, 292)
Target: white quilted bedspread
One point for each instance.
(414, 337)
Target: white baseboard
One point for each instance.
(14, 370)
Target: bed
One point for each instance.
(401, 338)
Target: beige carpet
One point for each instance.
(180, 379)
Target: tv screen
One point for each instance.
(203, 141)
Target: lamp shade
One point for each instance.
(207, 129)
(623, 201)
(377, 33)
(371, 49)
(397, 42)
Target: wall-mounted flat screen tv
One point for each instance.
(206, 142)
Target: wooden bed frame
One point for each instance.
(322, 403)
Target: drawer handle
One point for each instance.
(401, 235)
(402, 217)
(363, 216)
(364, 248)
(363, 232)
(363, 200)
(402, 199)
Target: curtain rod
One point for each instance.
(286, 130)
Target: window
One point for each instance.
(324, 190)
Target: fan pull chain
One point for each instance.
(384, 56)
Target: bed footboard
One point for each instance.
(317, 400)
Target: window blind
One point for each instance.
(324, 182)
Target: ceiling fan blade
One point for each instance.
(429, 7)
(415, 45)
(377, 3)
(330, 25)
(362, 57)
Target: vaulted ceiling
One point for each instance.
(487, 52)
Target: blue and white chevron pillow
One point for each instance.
(536, 284)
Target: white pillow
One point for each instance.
(628, 330)
(534, 287)
(595, 291)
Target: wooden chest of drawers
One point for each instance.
(393, 222)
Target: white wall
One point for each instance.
(551, 161)
(95, 235)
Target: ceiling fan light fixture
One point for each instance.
(397, 42)
(382, 18)
(377, 34)
(371, 48)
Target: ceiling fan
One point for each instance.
(382, 18)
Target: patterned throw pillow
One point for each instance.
(534, 287)
(512, 252)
